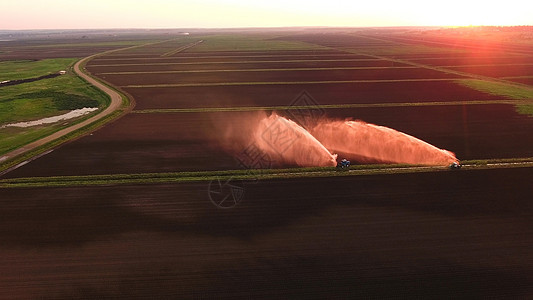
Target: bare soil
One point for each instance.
(442, 234)
(139, 143)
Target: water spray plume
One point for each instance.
(366, 142)
(287, 142)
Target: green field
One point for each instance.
(40, 99)
(22, 69)
(502, 89)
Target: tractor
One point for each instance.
(344, 164)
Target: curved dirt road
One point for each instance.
(116, 102)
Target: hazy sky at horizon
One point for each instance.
(96, 14)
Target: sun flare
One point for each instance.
(275, 13)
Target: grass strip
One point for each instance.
(226, 56)
(287, 82)
(330, 106)
(256, 70)
(239, 62)
(202, 176)
(505, 90)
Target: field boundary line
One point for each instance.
(256, 70)
(239, 62)
(203, 176)
(347, 54)
(329, 106)
(222, 56)
(288, 82)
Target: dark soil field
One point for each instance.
(436, 235)
(261, 56)
(440, 234)
(178, 65)
(442, 50)
(166, 142)
(335, 93)
(275, 76)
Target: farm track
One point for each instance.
(205, 176)
(288, 83)
(254, 70)
(301, 69)
(227, 56)
(181, 49)
(238, 62)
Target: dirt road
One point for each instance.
(116, 102)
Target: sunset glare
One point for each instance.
(78, 14)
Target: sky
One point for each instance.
(98, 14)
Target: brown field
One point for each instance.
(442, 234)
(262, 56)
(122, 80)
(148, 66)
(335, 93)
(167, 142)
(439, 234)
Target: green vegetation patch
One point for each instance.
(43, 98)
(177, 177)
(498, 88)
(525, 109)
(503, 89)
(249, 43)
(47, 97)
(12, 138)
(63, 101)
(23, 69)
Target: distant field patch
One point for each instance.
(406, 49)
(243, 43)
(95, 44)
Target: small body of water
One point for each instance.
(70, 115)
